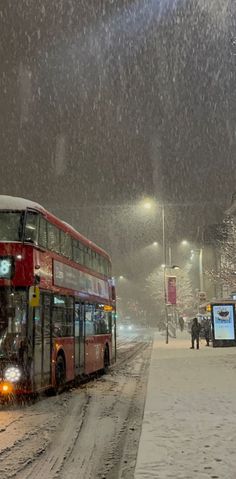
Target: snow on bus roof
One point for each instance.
(19, 204)
(16, 203)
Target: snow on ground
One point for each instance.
(189, 425)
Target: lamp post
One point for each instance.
(165, 267)
(200, 267)
(148, 205)
(165, 305)
(201, 271)
(164, 272)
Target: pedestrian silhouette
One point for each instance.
(195, 333)
(207, 330)
(181, 323)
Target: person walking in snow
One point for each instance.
(207, 330)
(195, 333)
(181, 323)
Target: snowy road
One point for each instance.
(88, 432)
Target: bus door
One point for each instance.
(46, 339)
(42, 342)
(37, 342)
(112, 329)
(79, 338)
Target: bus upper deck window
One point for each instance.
(31, 227)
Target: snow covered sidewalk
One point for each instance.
(189, 424)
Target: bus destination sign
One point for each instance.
(6, 267)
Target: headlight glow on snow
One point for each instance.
(12, 374)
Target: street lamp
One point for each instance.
(148, 204)
(165, 267)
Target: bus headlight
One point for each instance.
(12, 374)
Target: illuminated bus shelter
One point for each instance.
(223, 324)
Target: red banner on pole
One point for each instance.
(171, 290)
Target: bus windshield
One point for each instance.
(11, 225)
(12, 321)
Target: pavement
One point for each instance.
(189, 422)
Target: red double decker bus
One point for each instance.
(57, 301)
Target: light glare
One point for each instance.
(12, 374)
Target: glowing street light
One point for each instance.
(147, 205)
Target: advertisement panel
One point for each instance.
(223, 322)
(171, 290)
(67, 277)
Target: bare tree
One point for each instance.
(224, 272)
(185, 297)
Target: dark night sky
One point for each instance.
(105, 101)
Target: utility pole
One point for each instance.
(201, 283)
(164, 272)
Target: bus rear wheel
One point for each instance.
(60, 373)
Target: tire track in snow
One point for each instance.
(63, 442)
(99, 449)
(27, 433)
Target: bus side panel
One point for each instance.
(94, 352)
